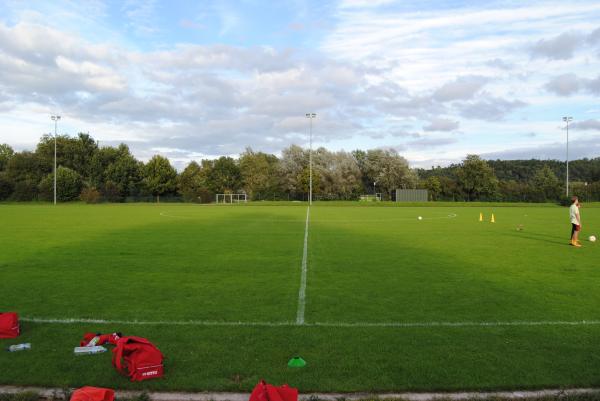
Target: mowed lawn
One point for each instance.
(392, 302)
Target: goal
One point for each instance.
(370, 198)
(231, 198)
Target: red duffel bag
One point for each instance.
(9, 325)
(268, 392)
(142, 359)
(93, 394)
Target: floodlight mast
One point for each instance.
(310, 116)
(55, 118)
(567, 120)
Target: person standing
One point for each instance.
(575, 222)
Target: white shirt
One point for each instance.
(574, 212)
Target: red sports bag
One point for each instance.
(93, 394)
(142, 359)
(268, 392)
(9, 325)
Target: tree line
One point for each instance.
(93, 173)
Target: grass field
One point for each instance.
(391, 302)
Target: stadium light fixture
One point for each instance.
(55, 118)
(567, 120)
(310, 116)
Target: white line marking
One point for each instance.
(318, 324)
(345, 221)
(302, 292)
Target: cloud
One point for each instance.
(586, 125)
(489, 108)
(442, 124)
(570, 84)
(460, 89)
(564, 85)
(430, 142)
(585, 147)
(500, 64)
(350, 4)
(561, 47)
(141, 15)
(594, 37)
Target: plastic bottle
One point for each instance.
(96, 349)
(19, 347)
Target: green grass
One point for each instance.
(367, 267)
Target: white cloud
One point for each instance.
(560, 47)
(441, 124)
(593, 125)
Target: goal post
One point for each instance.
(231, 198)
(370, 198)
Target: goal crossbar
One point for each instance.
(232, 198)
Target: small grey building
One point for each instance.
(410, 195)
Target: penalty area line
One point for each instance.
(302, 291)
(209, 323)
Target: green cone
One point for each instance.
(296, 362)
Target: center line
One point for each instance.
(302, 292)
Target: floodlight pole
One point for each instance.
(567, 120)
(55, 118)
(310, 116)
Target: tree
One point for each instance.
(433, 186)
(293, 163)
(74, 153)
(191, 183)
(68, 185)
(25, 171)
(6, 186)
(6, 153)
(338, 175)
(545, 184)
(159, 176)
(389, 170)
(224, 176)
(126, 172)
(476, 178)
(259, 174)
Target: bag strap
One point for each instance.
(118, 355)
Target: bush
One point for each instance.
(90, 195)
(111, 192)
(68, 185)
(6, 187)
(25, 190)
(565, 201)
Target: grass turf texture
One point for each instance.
(365, 265)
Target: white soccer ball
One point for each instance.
(420, 218)
(592, 238)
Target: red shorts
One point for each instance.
(575, 228)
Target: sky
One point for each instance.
(435, 80)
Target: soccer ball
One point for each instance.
(420, 218)
(592, 238)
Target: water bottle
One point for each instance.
(93, 341)
(96, 349)
(19, 347)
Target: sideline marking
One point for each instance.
(319, 324)
(302, 292)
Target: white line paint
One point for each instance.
(302, 291)
(209, 323)
(339, 221)
(50, 393)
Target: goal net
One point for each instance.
(370, 198)
(231, 198)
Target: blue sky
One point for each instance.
(435, 80)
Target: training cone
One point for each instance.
(480, 216)
(493, 220)
(297, 362)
